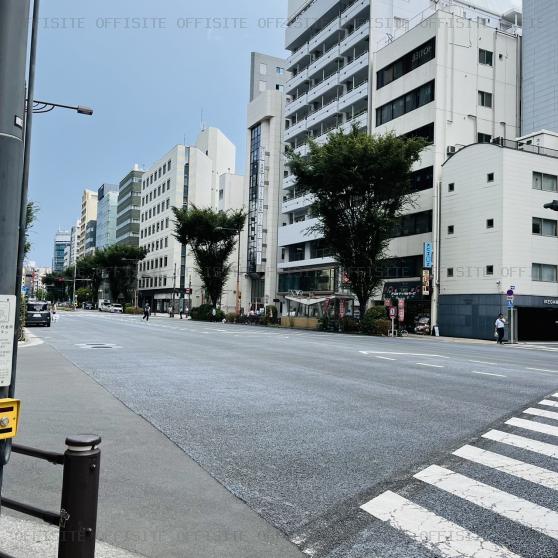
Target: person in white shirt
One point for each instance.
(500, 328)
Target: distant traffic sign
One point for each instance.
(510, 303)
(510, 292)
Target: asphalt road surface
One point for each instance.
(352, 446)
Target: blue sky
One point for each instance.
(147, 68)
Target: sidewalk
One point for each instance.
(154, 500)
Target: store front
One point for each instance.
(416, 304)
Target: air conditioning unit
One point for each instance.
(452, 150)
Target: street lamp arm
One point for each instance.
(40, 107)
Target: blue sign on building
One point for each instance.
(428, 254)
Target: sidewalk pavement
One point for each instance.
(154, 499)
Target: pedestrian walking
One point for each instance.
(213, 314)
(146, 312)
(500, 329)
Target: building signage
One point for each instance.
(260, 206)
(428, 254)
(409, 290)
(551, 301)
(426, 282)
(7, 329)
(387, 302)
(401, 314)
(392, 312)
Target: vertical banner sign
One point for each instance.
(260, 206)
(426, 282)
(341, 308)
(7, 326)
(428, 254)
(401, 309)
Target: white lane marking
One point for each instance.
(482, 362)
(513, 467)
(436, 533)
(401, 354)
(431, 365)
(521, 442)
(548, 403)
(385, 358)
(534, 426)
(507, 505)
(541, 413)
(489, 374)
(543, 370)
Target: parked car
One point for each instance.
(423, 326)
(116, 308)
(38, 313)
(104, 305)
(87, 306)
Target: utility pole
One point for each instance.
(14, 18)
(173, 287)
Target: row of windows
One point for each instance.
(156, 174)
(539, 272)
(406, 103)
(545, 182)
(157, 244)
(414, 223)
(407, 63)
(161, 189)
(542, 227)
(152, 282)
(155, 228)
(154, 264)
(424, 132)
(164, 205)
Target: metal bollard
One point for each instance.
(80, 494)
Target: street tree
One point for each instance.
(30, 217)
(55, 286)
(211, 236)
(360, 185)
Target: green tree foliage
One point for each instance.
(55, 286)
(84, 295)
(31, 215)
(360, 185)
(211, 236)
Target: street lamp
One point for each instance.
(552, 205)
(40, 107)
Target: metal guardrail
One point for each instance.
(77, 520)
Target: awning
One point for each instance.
(306, 301)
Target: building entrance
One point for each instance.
(537, 324)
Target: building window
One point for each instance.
(422, 179)
(279, 87)
(544, 272)
(280, 71)
(164, 281)
(167, 223)
(545, 182)
(544, 227)
(490, 177)
(169, 165)
(262, 86)
(489, 270)
(425, 132)
(296, 252)
(414, 223)
(451, 229)
(451, 187)
(485, 99)
(406, 103)
(166, 261)
(484, 138)
(165, 168)
(450, 271)
(168, 184)
(490, 223)
(168, 203)
(166, 241)
(485, 57)
(263, 68)
(407, 63)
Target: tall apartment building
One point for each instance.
(183, 176)
(264, 177)
(74, 242)
(129, 208)
(540, 77)
(107, 207)
(453, 79)
(61, 241)
(332, 44)
(88, 214)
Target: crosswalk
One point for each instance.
(485, 481)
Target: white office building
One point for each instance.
(454, 79)
(183, 176)
(496, 236)
(107, 208)
(264, 179)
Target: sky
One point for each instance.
(148, 68)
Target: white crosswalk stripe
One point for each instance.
(521, 442)
(534, 426)
(541, 413)
(507, 505)
(513, 467)
(446, 538)
(434, 532)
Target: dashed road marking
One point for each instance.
(488, 374)
(430, 365)
(385, 358)
(543, 370)
(482, 362)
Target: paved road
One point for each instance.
(348, 444)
